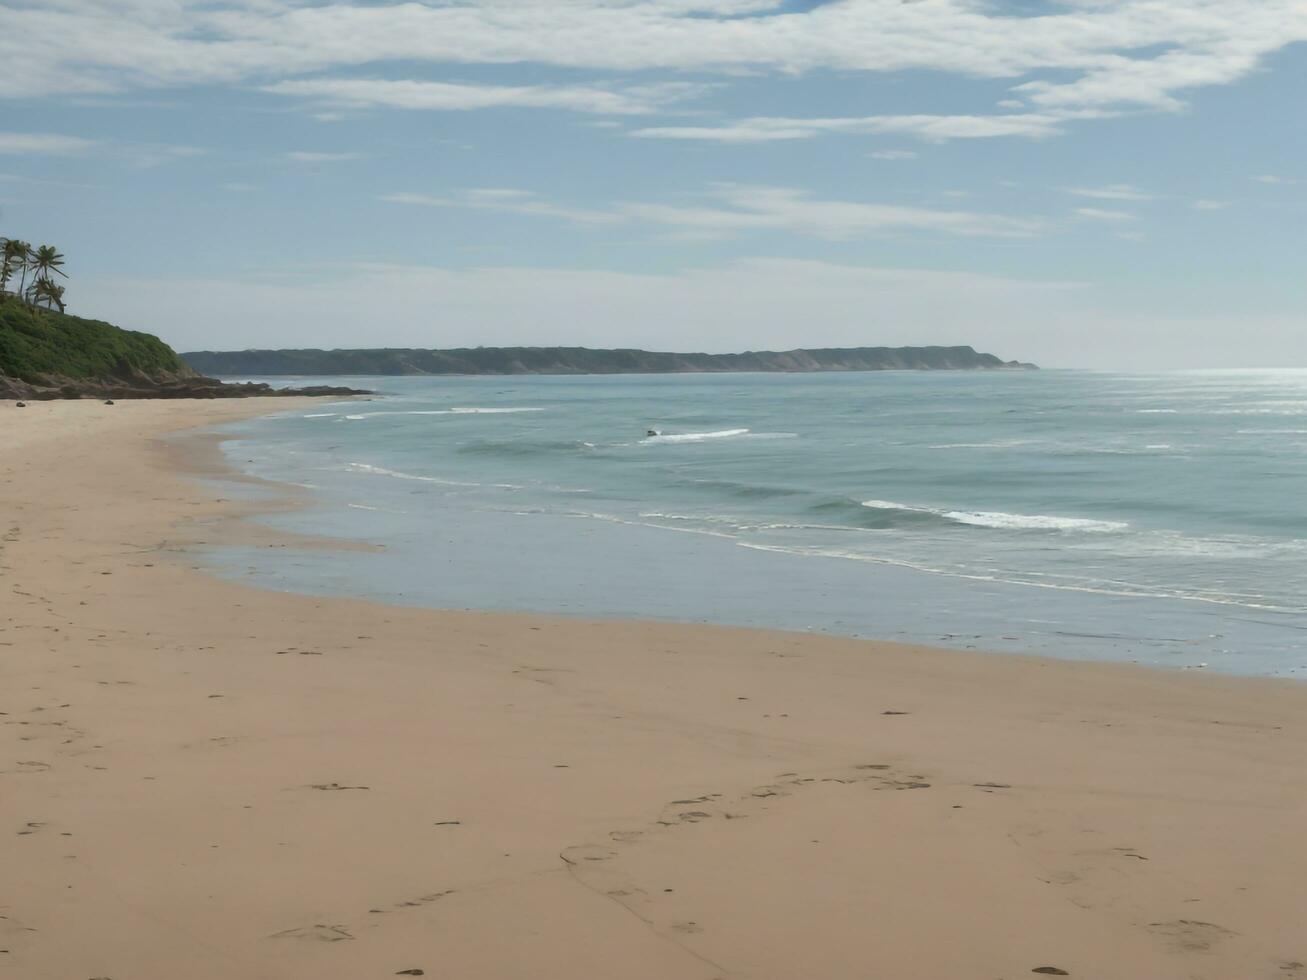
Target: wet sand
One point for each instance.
(204, 780)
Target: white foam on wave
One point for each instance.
(1157, 411)
(400, 475)
(977, 445)
(998, 519)
(321, 415)
(1003, 521)
(491, 411)
(891, 505)
(446, 411)
(375, 510)
(696, 436)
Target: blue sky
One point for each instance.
(1108, 183)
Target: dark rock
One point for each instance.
(1051, 971)
(411, 973)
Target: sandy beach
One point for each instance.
(209, 781)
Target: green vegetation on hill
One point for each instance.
(582, 360)
(35, 344)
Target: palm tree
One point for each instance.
(47, 289)
(23, 251)
(45, 260)
(13, 257)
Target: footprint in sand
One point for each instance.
(333, 787)
(586, 852)
(424, 900)
(318, 933)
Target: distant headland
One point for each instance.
(584, 360)
(46, 353)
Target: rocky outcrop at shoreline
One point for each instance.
(48, 388)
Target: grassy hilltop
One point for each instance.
(39, 344)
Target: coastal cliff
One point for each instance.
(583, 360)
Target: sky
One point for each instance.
(1081, 183)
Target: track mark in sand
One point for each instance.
(334, 787)
(599, 867)
(1190, 935)
(541, 675)
(1051, 971)
(412, 903)
(318, 933)
(421, 900)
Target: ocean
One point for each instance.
(1154, 518)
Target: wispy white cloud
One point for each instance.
(763, 129)
(313, 156)
(1274, 179)
(1112, 192)
(734, 209)
(42, 144)
(1079, 55)
(1100, 214)
(1206, 205)
(893, 155)
(506, 200)
(359, 93)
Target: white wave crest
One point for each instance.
(696, 436)
(997, 519)
(1003, 521)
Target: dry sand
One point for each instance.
(205, 781)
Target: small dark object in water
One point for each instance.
(652, 432)
(20, 405)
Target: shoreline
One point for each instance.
(209, 780)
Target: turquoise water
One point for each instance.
(1159, 518)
